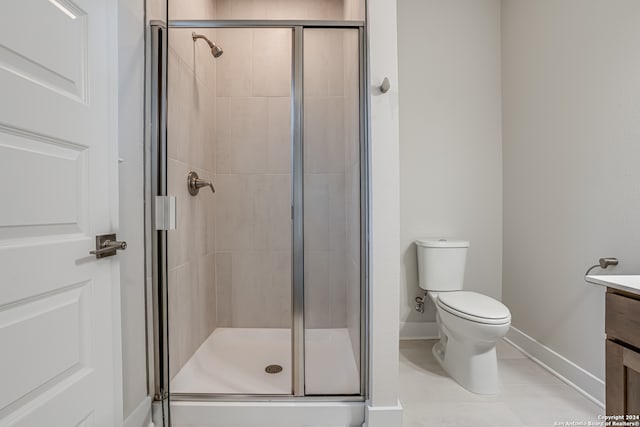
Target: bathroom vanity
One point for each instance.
(622, 326)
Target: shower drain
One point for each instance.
(273, 369)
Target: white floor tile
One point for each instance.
(547, 411)
(530, 396)
(524, 371)
(465, 414)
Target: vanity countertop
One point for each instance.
(621, 282)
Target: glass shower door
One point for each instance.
(332, 243)
(229, 258)
(264, 282)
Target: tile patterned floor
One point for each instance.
(530, 396)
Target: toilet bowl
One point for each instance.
(470, 323)
(467, 346)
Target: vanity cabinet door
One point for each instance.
(622, 318)
(622, 380)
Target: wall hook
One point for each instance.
(385, 86)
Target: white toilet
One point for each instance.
(470, 323)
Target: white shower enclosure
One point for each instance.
(259, 287)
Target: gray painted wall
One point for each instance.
(571, 98)
(560, 146)
(450, 139)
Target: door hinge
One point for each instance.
(162, 395)
(165, 213)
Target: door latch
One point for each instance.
(107, 245)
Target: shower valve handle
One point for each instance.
(194, 183)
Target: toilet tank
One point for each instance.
(441, 264)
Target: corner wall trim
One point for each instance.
(575, 376)
(141, 416)
(419, 331)
(383, 416)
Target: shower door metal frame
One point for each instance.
(297, 214)
(159, 242)
(155, 178)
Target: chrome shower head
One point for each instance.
(216, 50)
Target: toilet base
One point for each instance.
(474, 368)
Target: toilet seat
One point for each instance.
(474, 307)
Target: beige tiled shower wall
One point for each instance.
(253, 219)
(267, 9)
(191, 146)
(331, 201)
(353, 10)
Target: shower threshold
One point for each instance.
(233, 361)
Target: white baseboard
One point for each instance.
(141, 416)
(580, 379)
(383, 416)
(418, 330)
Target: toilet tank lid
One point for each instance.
(442, 243)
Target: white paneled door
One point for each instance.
(59, 306)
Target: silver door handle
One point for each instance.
(107, 245)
